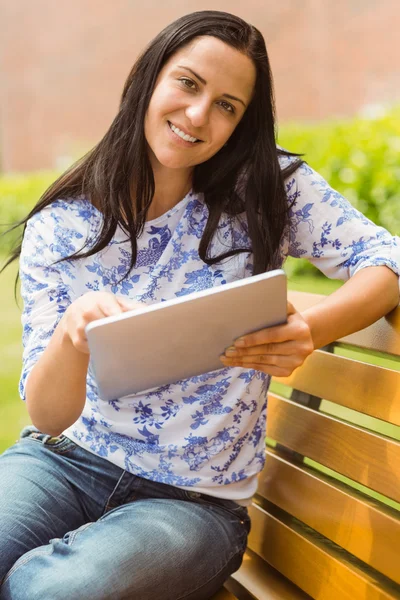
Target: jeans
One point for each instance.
(74, 526)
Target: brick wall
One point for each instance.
(63, 64)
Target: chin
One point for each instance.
(171, 161)
(173, 164)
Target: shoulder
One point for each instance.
(71, 211)
(65, 225)
(62, 214)
(288, 161)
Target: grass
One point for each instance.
(13, 414)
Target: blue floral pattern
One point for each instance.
(205, 433)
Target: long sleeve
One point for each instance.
(44, 286)
(328, 231)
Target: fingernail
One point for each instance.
(231, 351)
(240, 342)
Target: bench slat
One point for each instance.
(359, 525)
(384, 335)
(337, 445)
(369, 389)
(320, 570)
(257, 576)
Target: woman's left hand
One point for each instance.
(277, 350)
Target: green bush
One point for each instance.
(18, 194)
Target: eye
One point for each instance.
(228, 107)
(189, 83)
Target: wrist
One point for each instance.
(309, 319)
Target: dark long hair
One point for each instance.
(244, 176)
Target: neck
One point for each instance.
(171, 186)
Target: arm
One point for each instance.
(56, 387)
(56, 355)
(366, 297)
(53, 377)
(342, 243)
(279, 350)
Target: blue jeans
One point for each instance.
(74, 526)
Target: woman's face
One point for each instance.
(201, 93)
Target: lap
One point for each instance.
(56, 534)
(151, 548)
(36, 503)
(46, 490)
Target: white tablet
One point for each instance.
(179, 338)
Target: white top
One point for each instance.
(206, 433)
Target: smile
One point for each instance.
(184, 136)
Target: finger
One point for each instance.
(273, 370)
(89, 313)
(281, 348)
(127, 305)
(290, 308)
(266, 360)
(269, 335)
(296, 329)
(105, 308)
(110, 308)
(79, 340)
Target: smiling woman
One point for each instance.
(145, 496)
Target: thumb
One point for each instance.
(290, 309)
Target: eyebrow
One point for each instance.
(204, 82)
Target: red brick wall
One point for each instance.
(63, 64)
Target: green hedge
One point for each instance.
(19, 193)
(359, 157)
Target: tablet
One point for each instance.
(177, 339)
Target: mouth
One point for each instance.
(183, 135)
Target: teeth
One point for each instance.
(184, 136)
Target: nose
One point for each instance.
(198, 112)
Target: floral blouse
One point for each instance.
(206, 433)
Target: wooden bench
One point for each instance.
(326, 518)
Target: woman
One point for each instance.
(145, 496)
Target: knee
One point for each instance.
(40, 575)
(56, 572)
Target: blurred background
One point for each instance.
(62, 70)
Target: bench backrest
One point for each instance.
(327, 513)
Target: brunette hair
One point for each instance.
(243, 177)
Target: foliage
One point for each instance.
(18, 194)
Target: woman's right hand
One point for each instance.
(88, 308)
